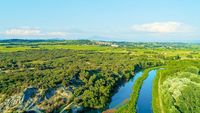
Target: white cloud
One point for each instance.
(33, 32)
(22, 32)
(162, 27)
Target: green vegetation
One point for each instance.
(92, 75)
(13, 48)
(87, 73)
(155, 94)
(131, 105)
(177, 88)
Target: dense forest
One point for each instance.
(56, 76)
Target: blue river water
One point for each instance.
(144, 103)
(124, 92)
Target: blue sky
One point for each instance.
(121, 20)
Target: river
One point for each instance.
(144, 103)
(124, 92)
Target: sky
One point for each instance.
(115, 20)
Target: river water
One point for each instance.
(124, 92)
(144, 103)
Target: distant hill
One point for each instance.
(24, 40)
(169, 45)
(49, 41)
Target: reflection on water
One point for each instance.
(144, 103)
(124, 92)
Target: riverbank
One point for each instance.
(124, 92)
(176, 88)
(156, 101)
(130, 107)
(121, 93)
